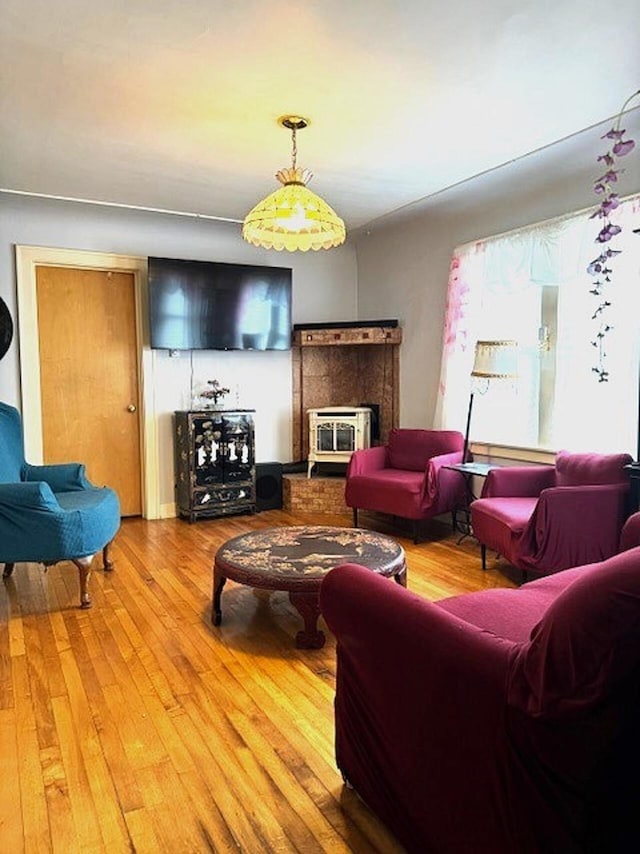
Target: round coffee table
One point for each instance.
(296, 559)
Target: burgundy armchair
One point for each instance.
(494, 722)
(407, 477)
(545, 518)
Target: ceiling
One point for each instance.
(172, 104)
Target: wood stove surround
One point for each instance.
(345, 364)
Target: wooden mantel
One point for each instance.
(344, 365)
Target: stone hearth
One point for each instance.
(313, 495)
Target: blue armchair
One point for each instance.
(51, 513)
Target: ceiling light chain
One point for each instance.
(294, 146)
(293, 217)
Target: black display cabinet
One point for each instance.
(215, 463)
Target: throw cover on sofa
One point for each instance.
(495, 722)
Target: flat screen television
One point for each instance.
(209, 305)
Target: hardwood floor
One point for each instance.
(138, 726)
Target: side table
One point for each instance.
(468, 472)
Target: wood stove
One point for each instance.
(335, 432)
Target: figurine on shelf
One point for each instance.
(216, 391)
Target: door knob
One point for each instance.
(132, 407)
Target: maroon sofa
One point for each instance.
(407, 477)
(505, 721)
(545, 518)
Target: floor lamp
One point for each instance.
(494, 360)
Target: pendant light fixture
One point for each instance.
(293, 217)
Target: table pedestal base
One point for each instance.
(308, 606)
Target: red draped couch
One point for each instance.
(505, 721)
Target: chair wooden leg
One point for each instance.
(107, 563)
(84, 573)
(355, 517)
(8, 569)
(483, 555)
(416, 532)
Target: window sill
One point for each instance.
(510, 454)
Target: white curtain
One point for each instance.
(496, 292)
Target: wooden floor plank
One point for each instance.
(30, 778)
(11, 830)
(83, 807)
(138, 726)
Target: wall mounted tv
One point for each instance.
(207, 305)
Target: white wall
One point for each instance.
(324, 289)
(403, 265)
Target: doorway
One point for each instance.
(89, 376)
(36, 409)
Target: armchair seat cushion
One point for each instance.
(395, 488)
(502, 520)
(512, 512)
(67, 524)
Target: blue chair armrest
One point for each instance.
(61, 478)
(20, 497)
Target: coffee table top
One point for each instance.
(300, 556)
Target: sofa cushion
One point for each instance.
(505, 613)
(586, 469)
(509, 614)
(586, 642)
(412, 449)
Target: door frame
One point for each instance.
(28, 259)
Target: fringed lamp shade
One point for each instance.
(496, 360)
(293, 217)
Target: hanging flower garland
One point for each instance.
(601, 267)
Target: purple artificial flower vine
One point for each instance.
(601, 267)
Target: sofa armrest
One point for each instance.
(367, 611)
(64, 477)
(26, 497)
(442, 486)
(573, 525)
(367, 461)
(518, 481)
(408, 653)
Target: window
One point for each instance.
(531, 285)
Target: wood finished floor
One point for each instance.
(138, 726)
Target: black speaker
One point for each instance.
(268, 486)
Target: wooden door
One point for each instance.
(89, 376)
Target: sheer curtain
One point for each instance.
(511, 286)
